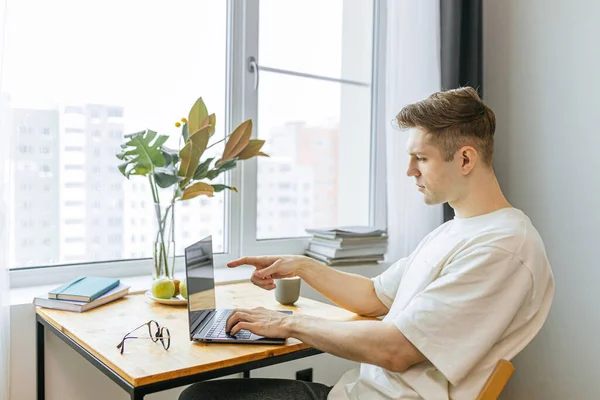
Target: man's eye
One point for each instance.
(419, 159)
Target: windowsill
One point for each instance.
(139, 284)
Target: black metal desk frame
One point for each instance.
(138, 392)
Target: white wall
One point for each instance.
(542, 78)
(70, 377)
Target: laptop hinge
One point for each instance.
(200, 322)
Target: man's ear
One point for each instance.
(468, 157)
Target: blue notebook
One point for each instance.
(86, 288)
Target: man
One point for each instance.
(475, 290)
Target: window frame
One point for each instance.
(241, 104)
(378, 193)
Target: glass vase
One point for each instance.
(164, 243)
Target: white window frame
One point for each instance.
(241, 104)
(250, 245)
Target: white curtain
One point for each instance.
(4, 229)
(412, 74)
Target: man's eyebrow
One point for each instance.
(416, 153)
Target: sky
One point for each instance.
(155, 60)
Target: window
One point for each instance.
(115, 112)
(312, 105)
(73, 110)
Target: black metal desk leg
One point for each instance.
(247, 374)
(137, 395)
(41, 393)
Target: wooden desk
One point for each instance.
(146, 367)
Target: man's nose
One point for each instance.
(412, 171)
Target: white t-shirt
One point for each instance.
(475, 290)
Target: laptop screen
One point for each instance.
(200, 281)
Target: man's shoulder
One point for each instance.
(510, 231)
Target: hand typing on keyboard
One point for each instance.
(218, 331)
(268, 323)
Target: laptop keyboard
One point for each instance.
(217, 330)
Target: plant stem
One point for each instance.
(217, 142)
(159, 221)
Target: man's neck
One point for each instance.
(484, 196)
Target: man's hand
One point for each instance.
(260, 321)
(271, 267)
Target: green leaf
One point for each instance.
(197, 116)
(123, 168)
(185, 132)
(219, 188)
(138, 171)
(143, 153)
(213, 173)
(171, 156)
(166, 177)
(202, 169)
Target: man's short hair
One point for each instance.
(453, 119)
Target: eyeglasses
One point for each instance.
(156, 332)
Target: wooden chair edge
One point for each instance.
(496, 381)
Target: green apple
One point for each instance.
(163, 288)
(183, 289)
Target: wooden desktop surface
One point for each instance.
(100, 330)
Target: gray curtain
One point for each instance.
(461, 50)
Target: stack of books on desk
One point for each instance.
(347, 245)
(82, 294)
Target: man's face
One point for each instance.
(435, 178)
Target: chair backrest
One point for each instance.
(496, 381)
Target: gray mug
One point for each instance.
(287, 290)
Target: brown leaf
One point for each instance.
(191, 153)
(200, 138)
(251, 150)
(261, 154)
(198, 189)
(238, 140)
(185, 155)
(210, 120)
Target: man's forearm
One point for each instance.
(350, 291)
(372, 342)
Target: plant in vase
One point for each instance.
(179, 175)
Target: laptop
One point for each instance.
(206, 322)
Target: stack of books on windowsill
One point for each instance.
(347, 245)
(82, 294)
